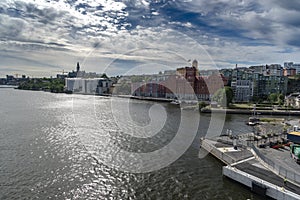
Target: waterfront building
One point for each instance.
(188, 74)
(289, 71)
(242, 83)
(265, 85)
(257, 82)
(273, 70)
(214, 82)
(171, 86)
(185, 84)
(227, 73)
(61, 76)
(293, 100)
(150, 89)
(195, 64)
(82, 74)
(201, 89)
(99, 86)
(2, 81)
(268, 70)
(293, 85)
(247, 83)
(74, 74)
(11, 80)
(243, 91)
(292, 65)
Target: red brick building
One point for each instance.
(186, 84)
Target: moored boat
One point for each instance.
(253, 121)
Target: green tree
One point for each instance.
(202, 104)
(280, 99)
(273, 98)
(229, 94)
(297, 76)
(223, 96)
(135, 79)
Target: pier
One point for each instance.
(246, 165)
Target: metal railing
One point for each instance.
(290, 175)
(225, 158)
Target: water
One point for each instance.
(58, 146)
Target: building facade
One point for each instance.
(289, 71)
(293, 100)
(185, 84)
(256, 82)
(99, 86)
(292, 65)
(243, 91)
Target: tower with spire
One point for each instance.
(78, 67)
(195, 65)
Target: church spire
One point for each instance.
(78, 67)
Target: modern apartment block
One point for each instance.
(256, 82)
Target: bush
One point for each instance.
(202, 104)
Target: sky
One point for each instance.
(45, 37)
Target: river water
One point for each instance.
(58, 146)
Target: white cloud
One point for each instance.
(99, 31)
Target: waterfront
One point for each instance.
(43, 153)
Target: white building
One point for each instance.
(88, 85)
(293, 100)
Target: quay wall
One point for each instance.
(250, 112)
(151, 99)
(225, 158)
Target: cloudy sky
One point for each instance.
(44, 37)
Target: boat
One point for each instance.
(69, 92)
(253, 121)
(175, 102)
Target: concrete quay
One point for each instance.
(151, 99)
(250, 112)
(246, 167)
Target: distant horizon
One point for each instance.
(40, 37)
(143, 73)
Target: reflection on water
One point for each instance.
(46, 153)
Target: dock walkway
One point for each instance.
(243, 166)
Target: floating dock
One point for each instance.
(243, 165)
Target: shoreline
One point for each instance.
(250, 112)
(203, 110)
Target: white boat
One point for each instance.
(175, 102)
(253, 121)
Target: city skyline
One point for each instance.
(42, 38)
